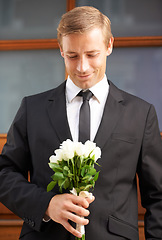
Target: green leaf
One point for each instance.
(51, 186)
(87, 177)
(96, 176)
(92, 171)
(83, 184)
(77, 178)
(66, 183)
(63, 163)
(58, 176)
(70, 175)
(83, 172)
(65, 173)
(53, 176)
(87, 187)
(55, 167)
(97, 164)
(66, 168)
(61, 182)
(93, 157)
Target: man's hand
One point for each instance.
(66, 207)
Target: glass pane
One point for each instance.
(129, 17)
(30, 19)
(24, 73)
(138, 71)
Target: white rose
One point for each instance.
(89, 146)
(67, 149)
(59, 154)
(96, 153)
(79, 149)
(66, 144)
(53, 159)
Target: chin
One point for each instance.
(86, 85)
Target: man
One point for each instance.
(123, 126)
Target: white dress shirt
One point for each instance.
(97, 102)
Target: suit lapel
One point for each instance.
(57, 113)
(112, 112)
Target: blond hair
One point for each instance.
(82, 19)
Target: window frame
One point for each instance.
(28, 44)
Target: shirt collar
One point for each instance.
(71, 90)
(99, 90)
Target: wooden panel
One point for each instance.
(70, 4)
(141, 210)
(3, 138)
(28, 44)
(138, 41)
(5, 214)
(10, 224)
(53, 44)
(141, 230)
(10, 229)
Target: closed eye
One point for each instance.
(72, 56)
(92, 55)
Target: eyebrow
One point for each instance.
(69, 52)
(91, 51)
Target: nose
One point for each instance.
(83, 64)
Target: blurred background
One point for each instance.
(30, 60)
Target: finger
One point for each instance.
(72, 204)
(90, 200)
(77, 219)
(79, 210)
(80, 201)
(72, 230)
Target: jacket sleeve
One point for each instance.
(150, 176)
(25, 199)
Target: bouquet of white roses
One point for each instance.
(73, 164)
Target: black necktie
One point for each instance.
(84, 117)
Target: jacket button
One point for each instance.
(31, 223)
(26, 220)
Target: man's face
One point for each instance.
(85, 57)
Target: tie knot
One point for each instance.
(86, 95)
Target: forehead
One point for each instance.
(87, 40)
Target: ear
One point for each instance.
(110, 46)
(61, 51)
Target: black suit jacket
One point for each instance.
(130, 142)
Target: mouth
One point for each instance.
(85, 76)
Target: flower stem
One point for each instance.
(82, 238)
